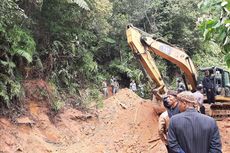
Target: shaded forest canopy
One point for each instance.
(76, 44)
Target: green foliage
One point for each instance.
(209, 60)
(9, 90)
(92, 96)
(17, 48)
(81, 3)
(88, 65)
(55, 99)
(75, 44)
(168, 20)
(3, 93)
(213, 56)
(75, 47)
(22, 44)
(171, 21)
(215, 23)
(17, 42)
(57, 105)
(125, 67)
(227, 59)
(10, 13)
(19, 45)
(109, 40)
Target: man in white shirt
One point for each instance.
(199, 98)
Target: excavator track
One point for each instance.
(219, 110)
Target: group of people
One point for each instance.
(183, 129)
(133, 86)
(114, 85)
(207, 87)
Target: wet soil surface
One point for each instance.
(125, 124)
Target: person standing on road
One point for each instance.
(190, 131)
(180, 85)
(105, 88)
(208, 84)
(133, 86)
(112, 83)
(199, 98)
(115, 87)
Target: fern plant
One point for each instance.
(17, 46)
(127, 68)
(81, 3)
(23, 44)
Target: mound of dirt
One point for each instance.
(126, 123)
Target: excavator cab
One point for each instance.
(221, 80)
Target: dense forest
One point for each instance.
(76, 44)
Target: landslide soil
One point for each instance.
(125, 124)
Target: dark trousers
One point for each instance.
(210, 96)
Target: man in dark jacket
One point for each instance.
(190, 131)
(208, 84)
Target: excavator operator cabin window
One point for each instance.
(218, 81)
(226, 79)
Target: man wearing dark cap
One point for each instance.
(190, 131)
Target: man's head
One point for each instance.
(179, 90)
(199, 87)
(186, 99)
(166, 102)
(170, 100)
(206, 73)
(178, 80)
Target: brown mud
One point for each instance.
(125, 124)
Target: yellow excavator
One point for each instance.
(142, 44)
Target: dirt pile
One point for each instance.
(126, 124)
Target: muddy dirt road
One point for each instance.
(125, 124)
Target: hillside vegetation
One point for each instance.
(76, 44)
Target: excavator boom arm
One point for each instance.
(142, 44)
(133, 38)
